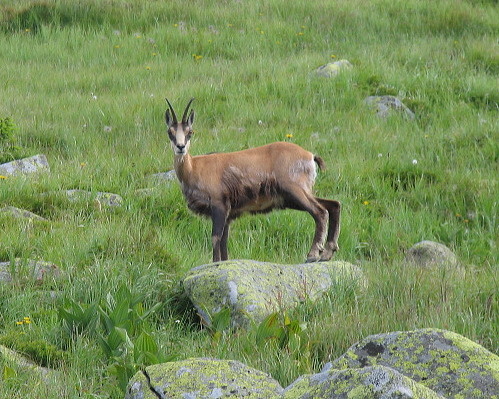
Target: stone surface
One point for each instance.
(367, 383)
(388, 105)
(202, 378)
(446, 362)
(252, 290)
(25, 166)
(36, 270)
(431, 254)
(20, 213)
(332, 69)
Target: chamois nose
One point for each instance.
(181, 147)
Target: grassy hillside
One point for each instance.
(85, 85)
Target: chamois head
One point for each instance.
(179, 133)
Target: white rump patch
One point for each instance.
(303, 171)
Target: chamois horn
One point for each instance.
(184, 118)
(174, 115)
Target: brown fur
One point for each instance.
(223, 186)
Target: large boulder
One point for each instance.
(202, 378)
(252, 290)
(446, 362)
(24, 166)
(367, 383)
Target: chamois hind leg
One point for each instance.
(303, 201)
(224, 254)
(218, 234)
(334, 210)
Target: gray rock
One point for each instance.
(253, 290)
(36, 270)
(48, 375)
(367, 383)
(387, 105)
(20, 213)
(446, 362)
(24, 166)
(163, 177)
(99, 199)
(202, 379)
(431, 254)
(332, 69)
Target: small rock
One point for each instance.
(20, 213)
(431, 254)
(387, 105)
(38, 271)
(99, 199)
(332, 69)
(163, 177)
(25, 166)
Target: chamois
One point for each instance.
(223, 186)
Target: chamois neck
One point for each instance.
(182, 165)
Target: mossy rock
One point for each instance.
(448, 363)
(202, 378)
(252, 290)
(366, 383)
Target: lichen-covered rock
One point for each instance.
(430, 254)
(34, 270)
(252, 290)
(387, 105)
(446, 362)
(20, 213)
(332, 69)
(202, 379)
(25, 166)
(366, 383)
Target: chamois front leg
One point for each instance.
(219, 233)
(224, 253)
(334, 210)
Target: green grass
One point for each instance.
(250, 66)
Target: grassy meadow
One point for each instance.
(84, 83)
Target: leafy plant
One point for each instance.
(8, 147)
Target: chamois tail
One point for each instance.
(320, 162)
